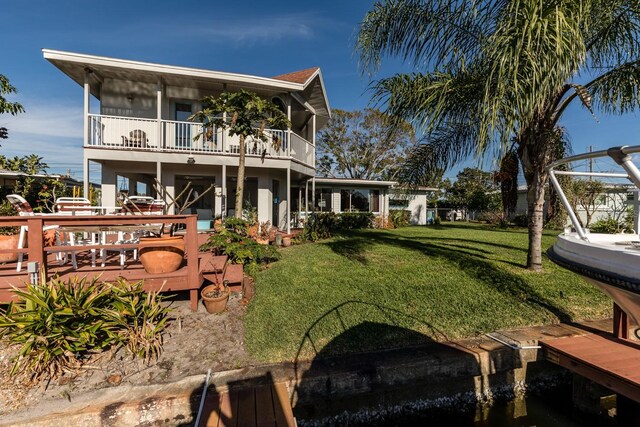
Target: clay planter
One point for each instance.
(253, 230)
(161, 254)
(217, 225)
(9, 242)
(286, 241)
(213, 304)
(262, 241)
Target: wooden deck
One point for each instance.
(602, 358)
(264, 405)
(188, 277)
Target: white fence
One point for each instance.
(148, 134)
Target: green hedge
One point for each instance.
(322, 225)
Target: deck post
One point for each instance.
(191, 246)
(160, 139)
(223, 199)
(620, 322)
(35, 242)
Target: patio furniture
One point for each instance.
(137, 139)
(73, 206)
(24, 209)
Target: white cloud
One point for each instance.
(260, 30)
(45, 120)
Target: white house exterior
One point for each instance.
(140, 131)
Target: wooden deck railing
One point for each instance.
(187, 277)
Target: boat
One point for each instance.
(609, 261)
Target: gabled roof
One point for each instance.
(306, 84)
(301, 76)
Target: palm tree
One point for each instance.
(249, 116)
(493, 71)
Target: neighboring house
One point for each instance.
(613, 203)
(9, 179)
(363, 195)
(140, 133)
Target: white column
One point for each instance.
(288, 200)
(313, 194)
(636, 210)
(87, 95)
(223, 204)
(85, 177)
(313, 139)
(109, 188)
(159, 178)
(160, 139)
(289, 128)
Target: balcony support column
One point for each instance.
(223, 199)
(159, 94)
(87, 95)
(313, 139)
(289, 130)
(159, 194)
(288, 200)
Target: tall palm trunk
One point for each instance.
(240, 184)
(534, 161)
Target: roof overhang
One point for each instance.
(74, 65)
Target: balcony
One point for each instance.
(128, 133)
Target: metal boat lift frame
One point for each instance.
(621, 155)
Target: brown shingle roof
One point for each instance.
(297, 76)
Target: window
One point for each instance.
(375, 200)
(398, 203)
(355, 200)
(324, 202)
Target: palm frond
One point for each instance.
(618, 90)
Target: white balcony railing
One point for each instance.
(124, 133)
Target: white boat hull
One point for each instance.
(609, 261)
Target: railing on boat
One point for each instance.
(186, 278)
(621, 155)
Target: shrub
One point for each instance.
(607, 226)
(321, 225)
(355, 220)
(399, 217)
(521, 221)
(233, 240)
(60, 324)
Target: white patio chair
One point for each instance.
(24, 209)
(77, 206)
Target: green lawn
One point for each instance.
(374, 289)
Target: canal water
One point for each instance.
(552, 408)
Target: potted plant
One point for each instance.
(162, 254)
(263, 233)
(8, 235)
(215, 297)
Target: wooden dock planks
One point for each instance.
(261, 406)
(608, 361)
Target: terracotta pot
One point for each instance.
(217, 225)
(253, 230)
(161, 254)
(49, 238)
(9, 242)
(262, 241)
(286, 241)
(214, 304)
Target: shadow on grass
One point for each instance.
(354, 245)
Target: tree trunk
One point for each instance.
(240, 183)
(535, 173)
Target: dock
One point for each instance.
(610, 360)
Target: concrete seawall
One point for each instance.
(469, 371)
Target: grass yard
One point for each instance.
(374, 289)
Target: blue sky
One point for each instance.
(261, 38)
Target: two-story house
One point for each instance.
(140, 131)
